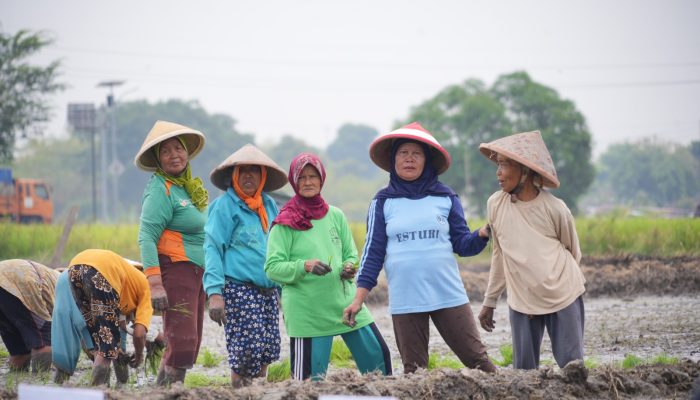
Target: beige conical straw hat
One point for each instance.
(164, 130)
(248, 155)
(529, 150)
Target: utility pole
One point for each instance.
(115, 168)
(81, 117)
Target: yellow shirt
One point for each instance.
(535, 254)
(32, 283)
(130, 284)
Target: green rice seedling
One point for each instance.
(154, 353)
(4, 353)
(664, 359)
(547, 361)
(208, 359)
(506, 351)
(436, 361)
(590, 363)
(340, 355)
(279, 371)
(631, 361)
(196, 379)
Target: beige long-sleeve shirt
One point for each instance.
(32, 283)
(535, 256)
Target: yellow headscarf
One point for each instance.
(254, 202)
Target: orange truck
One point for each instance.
(24, 200)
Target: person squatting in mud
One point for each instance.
(241, 296)
(26, 304)
(102, 286)
(312, 254)
(414, 226)
(171, 240)
(535, 255)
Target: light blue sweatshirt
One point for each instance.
(235, 244)
(414, 240)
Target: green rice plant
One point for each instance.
(590, 363)
(547, 361)
(196, 379)
(4, 353)
(279, 371)
(664, 359)
(506, 351)
(631, 361)
(207, 359)
(436, 361)
(340, 355)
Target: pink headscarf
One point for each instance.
(299, 211)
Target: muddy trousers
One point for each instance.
(565, 328)
(457, 327)
(310, 356)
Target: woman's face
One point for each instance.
(173, 157)
(309, 182)
(249, 177)
(508, 173)
(409, 161)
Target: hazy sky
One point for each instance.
(306, 67)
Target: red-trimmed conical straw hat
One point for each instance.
(380, 149)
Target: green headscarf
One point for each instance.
(193, 186)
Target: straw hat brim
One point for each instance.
(162, 130)
(549, 179)
(380, 150)
(248, 155)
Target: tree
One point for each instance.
(463, 116)
(23, 87)
(350, 150)
(288, 147)
(649, 173)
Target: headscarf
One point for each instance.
(299, 210)
(254, 202)
(427, 183)
(193, 186)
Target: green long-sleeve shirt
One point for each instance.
(313, 305)
(170, 225)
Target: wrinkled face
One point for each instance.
(309, 182)
(409, 161)
(508, 173)
(172, 156)
(249, 177)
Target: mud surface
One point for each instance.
(638, 306)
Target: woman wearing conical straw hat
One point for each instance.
(171, 238)
(535, 253)
(234, 252)
(414, 227)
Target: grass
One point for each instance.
(196, 379)
(208, 359)
(340, 355)
(436, 361)
(506, 351)
(598, 236)
(279, 371)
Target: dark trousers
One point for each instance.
(20, 329)
(565, 328)
(456, 326)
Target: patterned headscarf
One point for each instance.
(299, 210)
(193, 186)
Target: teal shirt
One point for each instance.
(235, 243)
(170, 225)
(313, 305)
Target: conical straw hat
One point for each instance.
(380, 149)
(162, 131)
(529, 150)
(248, 155)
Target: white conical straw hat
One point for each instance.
(164, 130)
(248, 155)
(528, 149)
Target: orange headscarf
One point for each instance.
(254, 202)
